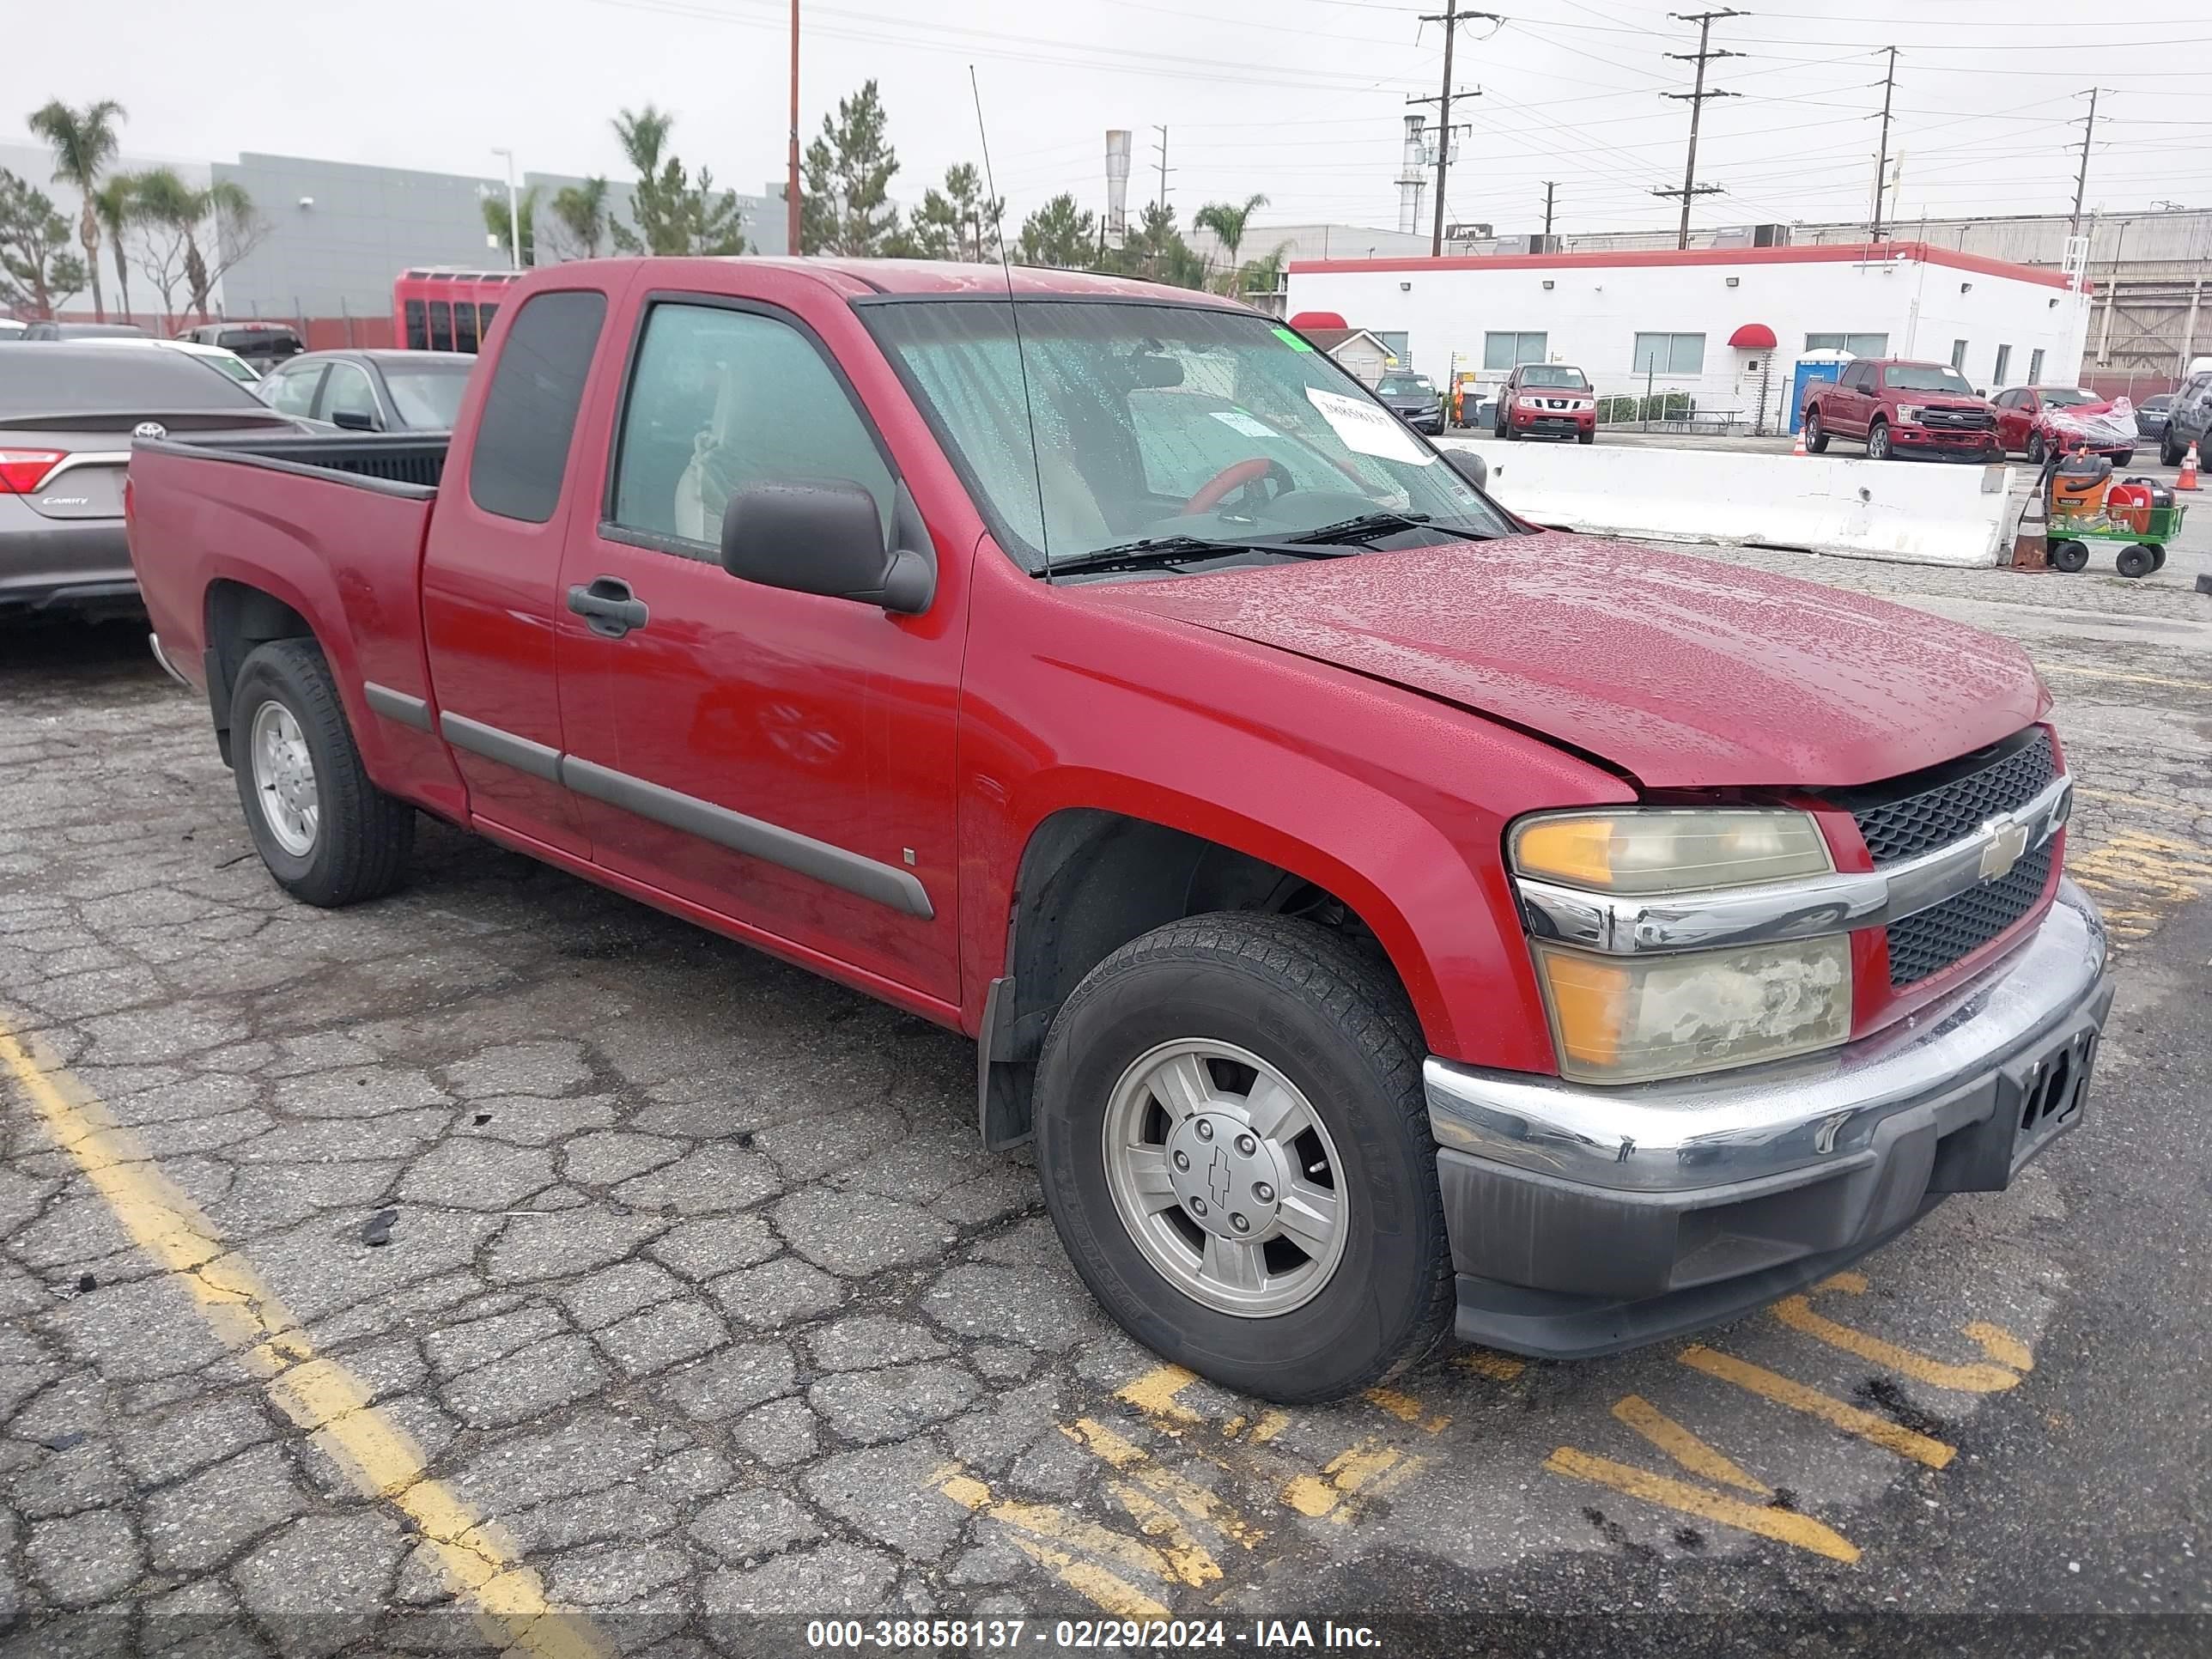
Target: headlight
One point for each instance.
(1669, 850)
(1908, 413)
(1630, 1019)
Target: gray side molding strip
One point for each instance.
(504, 747)
(396, 705)
(885, 883)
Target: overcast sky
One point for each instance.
(1300, 98)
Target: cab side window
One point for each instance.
(720, 398)
(292, 391)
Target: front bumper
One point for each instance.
(1946, 440)
(1586, 1220)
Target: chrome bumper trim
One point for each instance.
(154, 643)
(1769, 1120)
(1631, 926)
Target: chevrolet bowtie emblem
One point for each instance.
(2006, 843)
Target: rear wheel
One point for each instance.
(2169, 452)
(1816, 434)
(327, 834)
(1234, 1144)
(2136, 560)
(2069, 556)
(2158, 555)
(1878, 441)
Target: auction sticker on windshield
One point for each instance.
(1368, 428)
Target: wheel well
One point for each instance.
(239, 617)
(1090, 882)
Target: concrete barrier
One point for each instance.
(1913, 512)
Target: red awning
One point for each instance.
(1306, 320)
(1753, 337)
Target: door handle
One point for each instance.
(608, 606)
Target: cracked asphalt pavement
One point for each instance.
(506, 1267)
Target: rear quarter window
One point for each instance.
(521, 450)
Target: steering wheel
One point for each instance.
(1239, 475)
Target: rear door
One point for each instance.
(492, 568)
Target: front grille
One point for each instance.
(1969, 420)
(1917, 814)
(1932, 939)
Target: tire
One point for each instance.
(2135, 561)
(1816, 434)
(1336, 1029)
(1586, 435)
(2158, 555)
(1878, 441)
(2169, 452)
(356, 845)
(2125, 459)
(2069, 556)
(2037, 451)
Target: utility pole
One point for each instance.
(791, 216)
(1881, 162)
(1165, 169)
(1705, 54)
(1451, 17)
(1550, 184)
(2082, 177)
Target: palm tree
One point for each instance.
(164, 199)
(1227, 222)
(116, 203)
(644, 135)
(84, 142)
(501, 222)
(582, 211)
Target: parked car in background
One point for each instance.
(1413, 399)
(261, 345)
(2189, 420)
(228, 364)
(53, 331)
(372, 390)
(1547, 400)
(2151, 415)
(10, 329)
(69, 412)
(1900, 407)
(2025, 426)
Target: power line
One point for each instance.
(1452, 17)
(1704, 54)
(1881, 162)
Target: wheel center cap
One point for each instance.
(1228, 1180)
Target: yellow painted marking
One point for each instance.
(1405, 1409)
(321, 1395)
(1187, 1559)
(2142, 868)
(2120, 797)
(1270, 1424)
(1116, 1596)
(1785, 1391)
(1154, 1394)
(1354, 1470)
(2124, 679)
(1193, 1499)
(1498, 1367)
(1685, 1448)
(1055, 1526)
(1797, 1312)
(1783, 1526)
(2002, 1345)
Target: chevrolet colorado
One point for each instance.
(1387, 917)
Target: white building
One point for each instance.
(1725, 325)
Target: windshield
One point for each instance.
(427, 395)
(1546, 374)
(112, 379)
(1406, 385)
(1158, 421)
(2065, 397)
(235, 366)
(1925, 377)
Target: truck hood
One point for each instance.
(1684, 672)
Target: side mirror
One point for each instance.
(826, 537)
(1469, 466)
(353, 419)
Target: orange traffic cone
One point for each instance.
(2188, 478)
(1798, 448)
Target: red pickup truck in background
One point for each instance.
(1896, 408)
(1386, 915)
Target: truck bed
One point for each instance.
(369, 459)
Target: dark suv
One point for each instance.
(1899, 408)
(2188, 421)
(1413, 399)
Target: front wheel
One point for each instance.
(1587, 435)
(327, 834)
(1878, 441)
(2069, 556)
(2038, 452)
(1234, 1144)
(1816, 436)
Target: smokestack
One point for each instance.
(1117, 184)
(1413, 174)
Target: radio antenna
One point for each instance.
(1014, 315)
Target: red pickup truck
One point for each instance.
(1385, 914)
(1898, 408)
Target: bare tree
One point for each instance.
(181, 225)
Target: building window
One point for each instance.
(2004, 362)
(1859, 345)
(1670, 353)
(2035, 367)
(1959, 355)
(1510, 350)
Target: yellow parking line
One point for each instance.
(1685, 1448)
(1784, 1391)
(1797, 1312)
(1407, 1409)
(1783, 1526)
(1131, 1460)
(1154, 1394)
(1055, 1527)
(321, 1395)
(1360, 1467)
(2124, 679)
(1498, 1367)
(1116, 1596)
(2120, 797)
(1270, 1424)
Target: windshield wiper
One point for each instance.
(1368, 526)
(1179, 549)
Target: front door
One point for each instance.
(783, 760)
